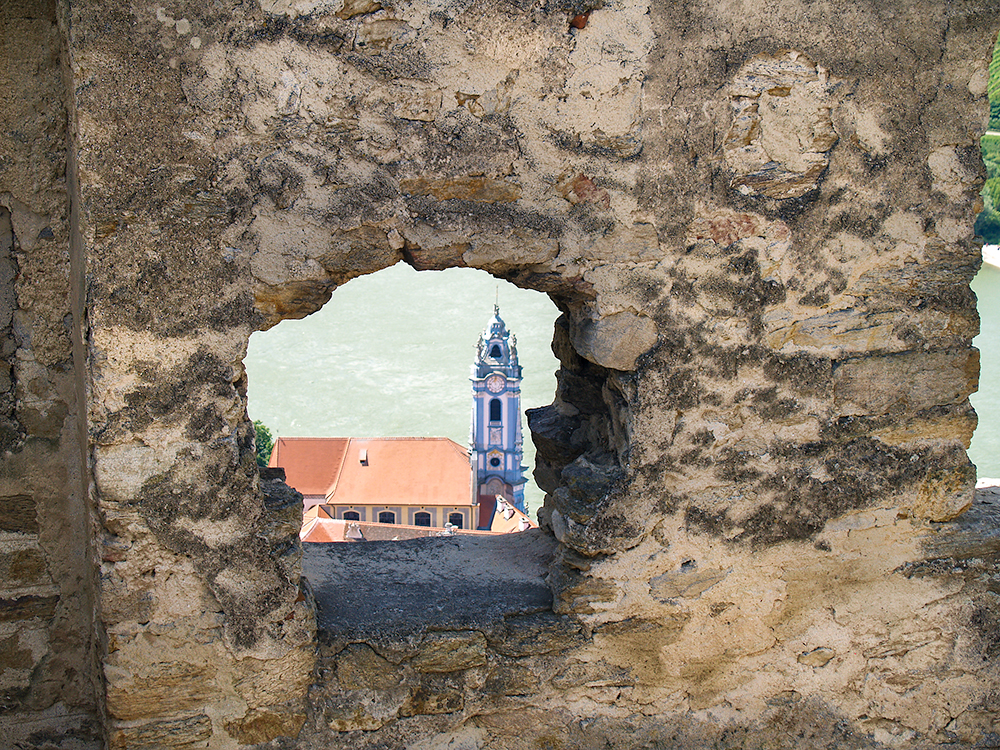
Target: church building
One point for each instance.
(496, 418)
(426, 482)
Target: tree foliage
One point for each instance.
(988, 222)
(990, 146)
(264, 442)
(993, 84)
(991, 192)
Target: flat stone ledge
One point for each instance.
(393, 588)
(974, 534)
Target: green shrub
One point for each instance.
(987, 226)
(988, 222)
(263, 442)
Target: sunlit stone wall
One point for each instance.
(756, 219)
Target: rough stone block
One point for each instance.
(127, 600)
(166, 687)
(366, 710)
(257, 679)
(616, 341)
(496, 255)
(818, 657)
(849, 330)
(541, 633)
(586, 484)
(911, 381)
(266, 723)
(22, 656)
(781, 129)
(637, 643)
(186, 733)
(24, 568)
(511, 679)
(685, 583)
(359, 667)
(450, 651)
(43, 419)
(945, 495)
(433, 697)
(933, 427)
(17, 514)
(27, 607)
(974, 534)
(592, 673)
(352, 8)
(437, 258)
(576, 593)
(13, 655)
(422, 106)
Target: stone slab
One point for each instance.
(454, 582)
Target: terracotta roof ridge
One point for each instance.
(340, 470)
(309, 437)
(361, 437)
(459, 447)
(404, 437)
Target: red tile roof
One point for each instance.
(517, 521)
(311, 464)
(397, 471)
(404, 471)
(323, 530)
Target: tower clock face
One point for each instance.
(495, 383)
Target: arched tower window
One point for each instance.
(495, 351)
(352, 515)
(387, 516)
(422, 519)
(456, 520)
(495, 410)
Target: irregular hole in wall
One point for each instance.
(389, 356)
(371, 363)
(985, 446)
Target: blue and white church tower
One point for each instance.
(496, 418)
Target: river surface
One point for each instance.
(390, 355)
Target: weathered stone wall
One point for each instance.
(757, 222)
(48, 676)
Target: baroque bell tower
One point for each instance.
(496, 419)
